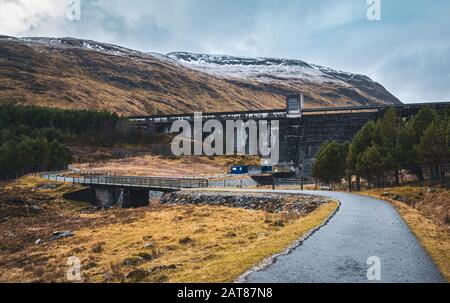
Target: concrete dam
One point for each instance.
(301, 131)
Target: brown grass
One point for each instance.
(152, 165)
(83, 79)
(421, 211)
(153, 244)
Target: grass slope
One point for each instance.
(153, 244)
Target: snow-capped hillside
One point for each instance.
(79, 43)
(251, 68)
(261, 68)
(321, 84)
(77, 73)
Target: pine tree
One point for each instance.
(433, 149)
(330, 164)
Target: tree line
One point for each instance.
(384, 149)
(36, 138)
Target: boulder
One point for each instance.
(137, 275)
(133, 261)
(62, 234)
(186, 241)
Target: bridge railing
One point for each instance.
(269, 114)
(151, 182)
(280, 113)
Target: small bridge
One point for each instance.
(124, 191)
(150, 183)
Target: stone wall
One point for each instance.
(301, 204)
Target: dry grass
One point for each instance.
(128, 86)
(151, 165)
(83, 79)
(422, 212)
(153, 244)
(434, 202)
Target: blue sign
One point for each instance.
(239, 169)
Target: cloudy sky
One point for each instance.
(408, 50)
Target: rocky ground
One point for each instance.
(298, 204)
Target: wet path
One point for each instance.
(339, 251)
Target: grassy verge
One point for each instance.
(153, 244)
(432, 233)
(146, 164)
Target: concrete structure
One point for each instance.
(108, 196)
(123, 191)
(295, 105)
(301, 134)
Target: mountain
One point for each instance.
(83, 74)
(322, 86)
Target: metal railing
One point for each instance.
(279, 113)
(289, 181)
(140, 182)
(13, 175)
(155, 182)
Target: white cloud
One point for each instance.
(18, 17)
(420, 76)
(334, 33)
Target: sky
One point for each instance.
(407, 50)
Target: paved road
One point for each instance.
(338, 252)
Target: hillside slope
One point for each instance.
(322, 86)
(83, 74)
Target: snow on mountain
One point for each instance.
(260, 69)
(80, 43)
(176, 82)
(319, 83)
(244, 68)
